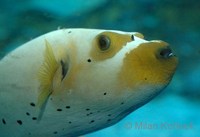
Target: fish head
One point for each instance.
(125, 61)
(112, 72)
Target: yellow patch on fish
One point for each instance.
(149, 65)
(107, 44)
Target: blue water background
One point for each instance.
(176, 111)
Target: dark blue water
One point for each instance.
(176, 112)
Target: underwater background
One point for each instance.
(176, 111)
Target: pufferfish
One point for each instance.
(71, 82)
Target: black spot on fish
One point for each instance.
(19, 122)
(89, 60)
(59, 109)
(109, 115)
(69, 31)
(132, 37)
(28, 114)
(32, 104)
(88, 113)
(55, 132)
(3, 121)
(92, 121)
(145, 78)
(122, 103)
(109, 120)
(69, 122)
(34, 118)
(68, 107)
(104, 93)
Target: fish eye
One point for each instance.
(104, 42)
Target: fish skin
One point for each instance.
(99, 89)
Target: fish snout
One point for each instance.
(151, 62)
(160, 63)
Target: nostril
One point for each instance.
(166, 53)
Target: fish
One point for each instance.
(71, 82)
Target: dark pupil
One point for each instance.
(104, 42)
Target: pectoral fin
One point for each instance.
(51, 74)
(46, 76)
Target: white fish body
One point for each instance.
(72, 82)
